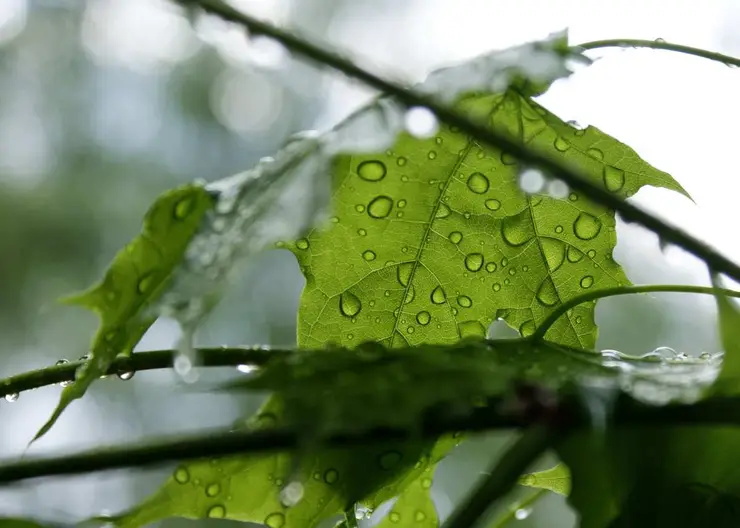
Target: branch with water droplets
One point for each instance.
(561, 310)
(125, 367)
(659, 44)
(575, 178)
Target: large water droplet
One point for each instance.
(331, 476)
(554, 252)
(275, 520)
(595, 153)
(456, 237)
(182, 475)
(380, 207)
(410, 294)
(217, 512)
(372, 170)
(442, 211)
(291, 494)
(666, 352)
(587, 281)
(517, 230)
(213, 489)
(474, 261)
(613, 178)
(547, 294)
(421, 122)
(491, 267)
(531, 181)
(423, 318)
(586, 226)
(493, 204)
(349, 304)
(403, 273)
(527, 328)
(464, 301)
(471, 329)
(438, 295)
(574, 254)
(561, 144)
(478, 183)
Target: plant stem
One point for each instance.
(503, 476)
(510, 514)
(661, 45)
(576, 179)
(716, 411)
(542, 329)
(158, 359)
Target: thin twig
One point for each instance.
(574, 177)
(157, 359)
(503, 476)
(561, 310)
(659, 45)
(220, 443)
(523, 504)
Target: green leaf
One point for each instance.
(414, 505)
(437, 239)
(7, 522)
(134, 280)
(555, 479)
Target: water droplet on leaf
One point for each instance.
(561, 144)
(586, 226)
(474, 261)
(423, 318)
(368, 255)
(372, 170)
(613, 178)
(275, 520)
(493, 204)
(331, 476)
(291, 494)
(438, 295)
(456, 237)
(302, 244)
(380, 207)
(587, 281)
(349, 304)
(547, 294)
(11, 397)
(464, 301)
(442, 211)
(213, 489)
(217, 512)
(478, 183)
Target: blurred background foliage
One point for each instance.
(106, 103)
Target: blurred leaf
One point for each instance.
(135, 279)
(414, 505)
(728, 381)
(23, 523)
(555, 479)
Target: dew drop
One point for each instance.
(349, 304)
(410, 330)
(573, 197)
(579, 319)
(554, 252)
(595, 153)
(360, 208)
(182, 475)
(369, 255)
(507, 159)
(125, 375)
(574, 255)
(478, 183)
(372, 170)
(217, 512)
(517, 230)
(403, 273)
(145, 283)
(587, 281)
(11, 397)
(527, 328)
(522, 513)
(613, 178)
(491, 267)
(464, 301)
(410, 294)
(423, 318)
(666, 352)
(394, 517)
(331, 476)
(474, 261)
(291, 494)
(361, 232)
(456, 237)
(547, 294)
(401, 161)
(401, 204)
(438, 295)
(426, 483)
(586, 226)
(302, 244)
(420, 516)
(471, 329)
(561, 144)
(432, 154)
(531, 181)
(493, 204)
(504, 262)
(591, 253)
(496, 287)
(275, 520)
(421, 122)
(380, 207)
(442, 211)
(213, 489)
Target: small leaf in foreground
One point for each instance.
(133, 282)
(555, 479)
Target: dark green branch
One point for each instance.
(575, 178)
(503, 476)
(219, 443)
(158, 359)
(622, 290)
(660, 45)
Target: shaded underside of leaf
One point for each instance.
(133, 281)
